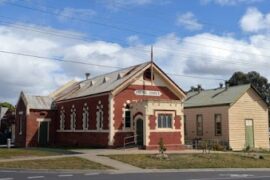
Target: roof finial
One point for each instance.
(152, 58)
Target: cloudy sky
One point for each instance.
(195, 42)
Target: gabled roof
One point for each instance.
(107, 83)
(103, 83)
(219, 96)
(38, 102)
(110, 82)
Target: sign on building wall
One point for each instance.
(147, 93)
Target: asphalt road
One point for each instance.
(190, 175)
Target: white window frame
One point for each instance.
(62, 118)
(166, 125)
(73, 118)
(85, 115)
(99, 116)
(216, 115)
(197, 128)
(130, 118)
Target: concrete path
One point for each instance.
(95, 155)
(117, 165)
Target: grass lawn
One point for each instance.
(21, 152)
(59, 163)
(185, 161)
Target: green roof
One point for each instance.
(218, 96)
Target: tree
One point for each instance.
(7, 105)
(253, 77)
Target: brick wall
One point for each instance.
(94, 139)
(33, 126)
(128, 94)
(82, 139)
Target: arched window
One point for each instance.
(99, 115)
(85, 119)
(62, 118)
(127, 116)
(73, 118)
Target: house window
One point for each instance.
(127, 116)
(218, 125)
(62, 118)
(85, 119)
(164, 120)
(199, 125)
(99, 117)
(185, 124)
(73, 118)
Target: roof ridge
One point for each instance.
(112, 72)
(224, 87)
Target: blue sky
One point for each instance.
(205, 39)
(150, 19)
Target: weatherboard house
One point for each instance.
(235, 116)
(139, 103)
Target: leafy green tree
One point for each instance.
(253, 77)
(7, 105)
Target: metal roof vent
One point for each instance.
(120, 75)
(92, 83)
(105, 79)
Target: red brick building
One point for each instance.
(103, 110)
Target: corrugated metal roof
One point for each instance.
(100, 84)
(215, 96)
(39, 102)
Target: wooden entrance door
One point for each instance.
(43, 133)
(139, 132)
(249, 133)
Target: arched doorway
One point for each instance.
(139, 132)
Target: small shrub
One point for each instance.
(162, 148)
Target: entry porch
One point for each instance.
(153, 120)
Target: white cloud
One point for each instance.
(133, 40)
(203, 55)
(255, 21)
(188, 21)
(68, 13)
(230, 2)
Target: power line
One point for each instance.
(139, 49)
(79, 19)
(93, 64)
(125, 29)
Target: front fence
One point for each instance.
(207, 144)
